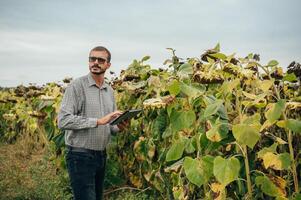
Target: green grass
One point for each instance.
(130, 195)
(29, 175)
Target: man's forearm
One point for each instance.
(74, 122)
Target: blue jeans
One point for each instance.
(86, 171)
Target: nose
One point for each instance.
(96, 61)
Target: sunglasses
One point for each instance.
(100, 60)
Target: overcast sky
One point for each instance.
(43, 41)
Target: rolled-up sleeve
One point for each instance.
(67, 118)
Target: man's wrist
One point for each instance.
(100, 122)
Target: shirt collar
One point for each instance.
(92, 82)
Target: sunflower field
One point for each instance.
(213, 127)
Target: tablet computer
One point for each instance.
(125, 116)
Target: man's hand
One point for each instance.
(109, 117)
(123, 125)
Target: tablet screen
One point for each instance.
(125, 116)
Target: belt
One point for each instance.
(83, 150)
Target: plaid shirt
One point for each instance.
(83, 103)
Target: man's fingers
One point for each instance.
(123, 125)
(116, 113)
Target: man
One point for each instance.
(87, 108)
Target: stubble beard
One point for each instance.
(101, 71)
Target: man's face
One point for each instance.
(98, 62)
